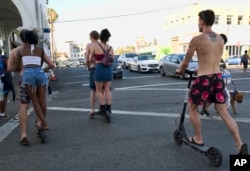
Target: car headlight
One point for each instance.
(143, 65)
(119, 67)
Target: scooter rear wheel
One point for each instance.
(178, 137)
(215, 156)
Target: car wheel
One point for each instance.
(129, 67)
(139, 69)
(162, 72)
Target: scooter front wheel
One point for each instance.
(178, 135)
(215, 156)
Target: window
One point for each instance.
(240, 18)
(229, 19)
(216, 20)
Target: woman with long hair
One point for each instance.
(103, 74)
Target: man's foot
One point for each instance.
(191, 140)
(24, 141)
(243, 150)
(204, 113)
(92, 115)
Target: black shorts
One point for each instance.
(24, 97)
(208, 88)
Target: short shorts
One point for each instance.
(209, 88)
(92, 78)
(102, 73)
(24, 97)
(34, 76)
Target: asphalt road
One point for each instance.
(145, 109)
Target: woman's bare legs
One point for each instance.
(32, 92)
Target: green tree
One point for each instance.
(162, 51)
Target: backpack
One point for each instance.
(107, 60)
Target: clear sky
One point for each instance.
(126, 19)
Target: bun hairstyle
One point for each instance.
(105, 35)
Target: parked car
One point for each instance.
(143, 63)
(81, 61)
(125, 58)
(171, 62)
(73, 63)
(233, 60)
(116, 68)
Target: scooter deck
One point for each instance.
(203, 148)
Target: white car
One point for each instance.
(143, 63)
(125, 58)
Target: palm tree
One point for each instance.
(52, 17)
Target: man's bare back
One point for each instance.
(209, 51)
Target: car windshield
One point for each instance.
(194, 58)
(130, 55)
(146, 57)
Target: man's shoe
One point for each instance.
(204, 113)
(3, 116)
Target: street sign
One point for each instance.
(46, 30)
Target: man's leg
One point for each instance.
(3, 105)
(23, 120)
(196, 123)
(230, 123)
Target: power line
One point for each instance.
(124, 15)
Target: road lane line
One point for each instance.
(8, 127)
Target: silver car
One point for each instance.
(171, 62)
(125, 58)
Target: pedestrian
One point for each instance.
(94, 36)
(14, 65)
(6, 81)
(103, 74)
(209, 84)
(33, 76)
(244, 61)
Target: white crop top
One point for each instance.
(31, 60)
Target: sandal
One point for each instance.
(243, 150)
(191, 140)
(92, 115)
(24, 141)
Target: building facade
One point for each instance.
(16, 15)
(231, 19)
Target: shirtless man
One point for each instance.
(209, 48)
(94, 36)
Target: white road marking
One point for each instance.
(8, 127)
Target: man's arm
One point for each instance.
(190, 52)
(13, 63)
(87, 53)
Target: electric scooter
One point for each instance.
(180, 136)
(42, 135)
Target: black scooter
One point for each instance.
(180, 136)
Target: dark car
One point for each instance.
(171, 62)
(81, 61)
(116, 68)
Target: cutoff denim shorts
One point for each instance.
(34, 76)
(103, 73)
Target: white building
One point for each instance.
(23, 14)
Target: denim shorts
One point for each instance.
(103, 73)
(34, 76)
(92, 78)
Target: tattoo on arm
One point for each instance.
(212, 36)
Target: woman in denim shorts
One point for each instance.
(34, 77)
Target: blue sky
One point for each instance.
(78, 17)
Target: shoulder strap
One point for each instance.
(104, 49)
(101, 47)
